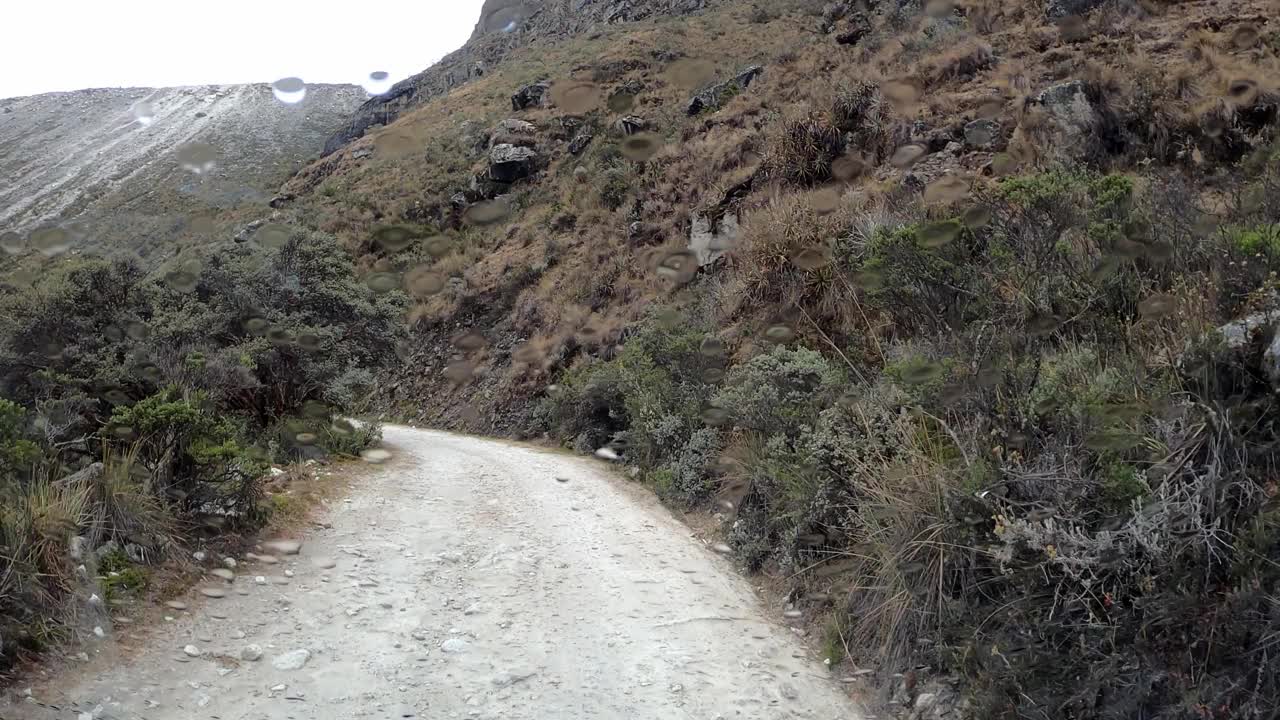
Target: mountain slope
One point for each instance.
(504, 26)
(84, 158)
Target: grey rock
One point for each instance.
(453, 645)
(710, 98)
(517, 127)
(1264, 327)
(246, 232)
(1069, 106)
(88, 474)
(1056, 9)
(981, 133)
(580, 141)
(532, 95)
(854, 29)
(251, 653)
(632, 124)
(508, 163)
(292, 660)
(191, 650)
(709, 243)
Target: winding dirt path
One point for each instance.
(470, 579)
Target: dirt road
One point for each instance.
(470, 579)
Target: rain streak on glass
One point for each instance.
(289, 90)
(690, 74)
(641, 146)
(576, 96)
(272, 235)
(377, 82)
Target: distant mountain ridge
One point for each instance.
(83, 157)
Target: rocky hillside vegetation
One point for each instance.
(154, 364)
(962, 315)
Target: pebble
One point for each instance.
(191, 650)
(261, 579)
(453, 645)
(792, 614)
(288, 573)
(176, 605)
(213, 592)
(199, 555)
(251, 653)
(223, 573)
(229, 562)
(292, 660)
(237, 634)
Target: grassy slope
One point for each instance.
(559, 286)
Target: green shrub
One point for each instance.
(780, 392)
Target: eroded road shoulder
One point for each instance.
(471, 579)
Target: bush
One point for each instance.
(170, 383)
(802, 151)
(779, 392)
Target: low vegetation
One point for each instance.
(140, 411)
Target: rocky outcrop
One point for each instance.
(509, 163)
(504, 26)
(1262, 328)
(711, 97)
(532, 95)
(1069, 107)
(709, 241)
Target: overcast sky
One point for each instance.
(54, 45)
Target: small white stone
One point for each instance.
(251, 653)
(199, 555)
(292, 660)
(191, 650)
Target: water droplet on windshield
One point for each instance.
(290, 90)
(143, 112)
(376, 456)
(12, 243)
(50, 241)
(377, 82)
(198, 158)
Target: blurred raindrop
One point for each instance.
(50, 241)
(690, 73)
(198, 158)
(377, 82)
(143, 112)
(576, 97)
(641, 146)
(12, 243)
(487, 212)
(376, 456)
(289, 90)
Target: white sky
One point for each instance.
(55, 45)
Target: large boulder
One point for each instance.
(509, 163)
(1262, 328)
(711, 97)
(1074, 115)
(88, 475)
(710, 239)
(532, 95)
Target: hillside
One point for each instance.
(84, 158)
(924, 297)
(959, 318)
